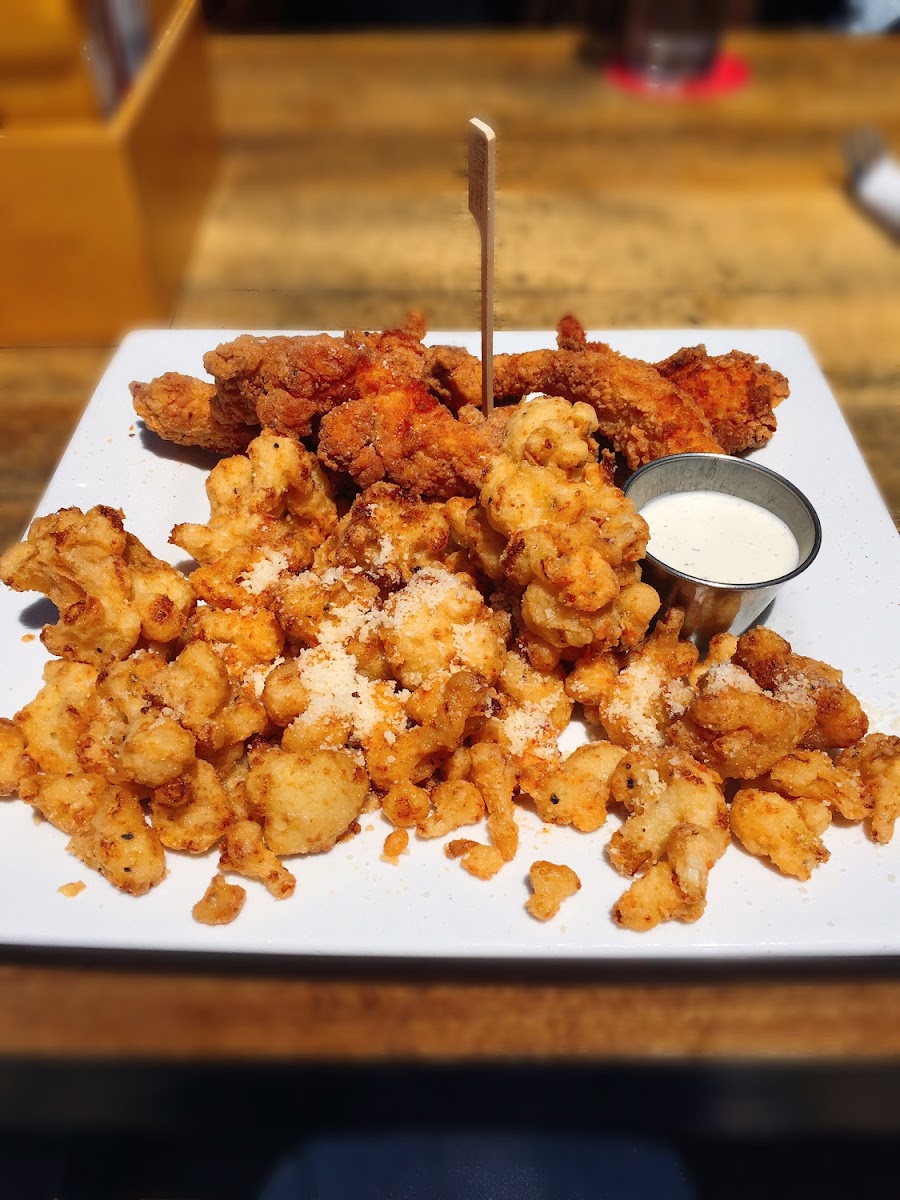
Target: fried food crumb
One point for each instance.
(551, 884)
(72, 889)
(395, 844)
(221, 903)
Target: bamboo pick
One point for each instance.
(482, 186)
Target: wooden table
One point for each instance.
(341, 202)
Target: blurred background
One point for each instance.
(266, 164)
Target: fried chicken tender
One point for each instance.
(404, 434)
(245, 853)
(306, 802)
(739, 729)
(551, 884)
(736, 392)
(109, 589)
(187, 411)
(119, 844)
(642, 414)
(771, 826)
(453, 375)
(282, 382)
(877, 760)
(221, 903)
(839, 718)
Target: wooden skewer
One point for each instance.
(482, 185)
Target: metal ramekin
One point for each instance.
(709, 606)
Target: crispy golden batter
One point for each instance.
(578, 792)
(109, 589)
(187, 411)
(573, 539)
(193, 812)
(479, 860)
(14, 761)
(306, 803)
(269, 510)
(676, 831)
(404, 804)
(638, 411)
(405, 435)
(245, 853)
(771, 826)
(118, 843)
(736, 392)
(221, 903)
(551, 884)
(637, 705)
(281, 382)
(68, 802)
(877, 761)
(671, 792)
(395, 844)
(453, 804)
(810, 775)
(738, 728)
(839, 718)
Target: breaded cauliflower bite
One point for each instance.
(111, 592)
(573, 541)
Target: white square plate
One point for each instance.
(348, 902)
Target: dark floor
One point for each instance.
(156, 1132)
(186, 1168)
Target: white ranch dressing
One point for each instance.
(719, 537)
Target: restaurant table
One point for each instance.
(341, 202)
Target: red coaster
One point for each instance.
(727, 74)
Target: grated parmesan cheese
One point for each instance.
(636, 688)
(729, 675)
(265, 572)
(338, 691)
(256, 677)
(528, 724)
(430, 587)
